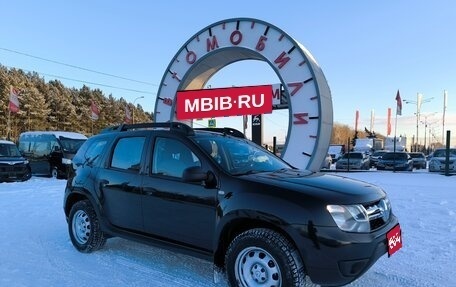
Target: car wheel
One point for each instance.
(27, 175)
(263, 257)
(54, 172)
(84, 227)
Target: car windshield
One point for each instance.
(394, 156)
(442, 153)
(416, 155)
(356, 155)
(9, 150)
(71, 145)
(239, 156)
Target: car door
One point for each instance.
(174, 209)
(120, 183)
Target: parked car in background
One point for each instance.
(13, 166)
(336, 151)
(375, 157)
(327, 162)
(419, 160)
(50, 152)
(438, 160)
(353, 160)
(399, 160)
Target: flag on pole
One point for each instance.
(14, 100)
(356, 120)
(95, 111)
(127, 119)
(399, 104)
(388, 126)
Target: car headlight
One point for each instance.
(66, 161)
(26, 162)
(351, 218)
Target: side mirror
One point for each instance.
(194, 174)
(197, 174)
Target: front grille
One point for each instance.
(379, 213)
(12, 168)
(13, 171)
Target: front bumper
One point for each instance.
(17, 172)
(440, 166)
(333, 257)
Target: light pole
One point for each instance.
(134, 107)
(426, 123)
(419, 101)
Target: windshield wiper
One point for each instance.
(284, 169)
(250, 171)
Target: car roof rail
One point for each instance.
(174, 126)
(225, 131)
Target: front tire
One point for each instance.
(263, 257)
(84, 228)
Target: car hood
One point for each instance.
(351, 160)
(11, 159)
(393, 161)
(328, 187)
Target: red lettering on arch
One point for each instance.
(212, 45)
(261, 43)
(300, 119)
(175, 76)
(296, 87)
(281, 60)
(236, 37)
(168, 101)
(190, 57)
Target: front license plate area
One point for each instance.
(394, 239)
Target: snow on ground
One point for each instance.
(35, 249)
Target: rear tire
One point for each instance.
(84, 228)
(263, 257)
(54, 172)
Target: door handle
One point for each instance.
(103, 183)
(150, 191)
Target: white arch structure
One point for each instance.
(228, 41)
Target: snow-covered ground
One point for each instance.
(35, 249)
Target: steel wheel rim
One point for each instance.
(81, 227)
(256, 267)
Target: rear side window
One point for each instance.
(127, 153)
(90, 152)
(94, 151)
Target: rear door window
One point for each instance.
(127, 153)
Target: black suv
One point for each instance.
(13, 166)
(214, 194)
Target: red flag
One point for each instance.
(95, 111)
(127, 119)
(399, 104)
(14, 100)
(356, 120)
(388, 128)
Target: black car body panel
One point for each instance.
(13, 166)
(202, 217)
